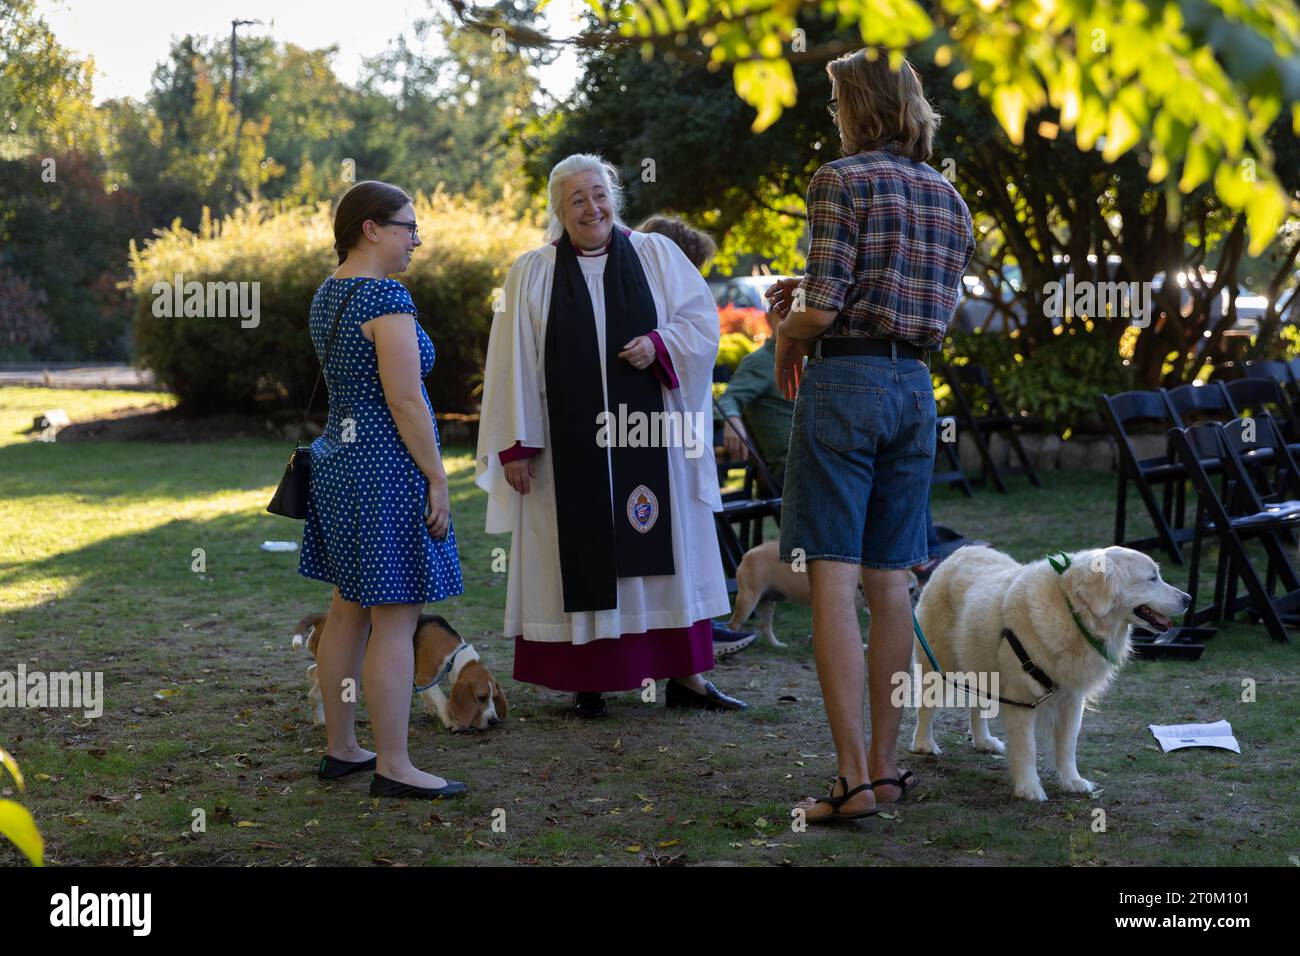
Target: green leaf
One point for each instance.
(1121, 132)
(17, 824)
(1199, 163)
(1009, 107)
(1265, 210)
(766, 85)
(1232, 186)
(11, 765)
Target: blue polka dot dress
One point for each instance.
(365, 529)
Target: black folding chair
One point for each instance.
(954, 477)
(1279, 372)
(1236, 514)
(1118, 412)
(1188, 405)
(1266, 395)
(998, 421)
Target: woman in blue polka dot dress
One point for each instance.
(378, 515)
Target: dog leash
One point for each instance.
(446, 668)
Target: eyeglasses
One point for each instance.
(832, 106)
(412, 227)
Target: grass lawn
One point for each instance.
(205, 703)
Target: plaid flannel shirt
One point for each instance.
(891, 239)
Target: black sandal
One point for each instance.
(837, 802)
(901, 782)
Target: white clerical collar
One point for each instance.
(602, 251)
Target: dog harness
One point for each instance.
(447, 665)
(1026, 662)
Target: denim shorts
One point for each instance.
(857, 478)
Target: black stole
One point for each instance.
(602, 540)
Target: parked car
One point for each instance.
(745, 292)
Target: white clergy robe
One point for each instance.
(514, 410)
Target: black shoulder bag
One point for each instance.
(290, 498)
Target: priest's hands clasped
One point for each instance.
(640, 352)
(437, 508)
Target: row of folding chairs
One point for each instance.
(1175, 409)
(1256, 499)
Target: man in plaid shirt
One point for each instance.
(891, 239)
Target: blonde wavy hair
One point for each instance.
(876, 104)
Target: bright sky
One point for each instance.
(128, 38)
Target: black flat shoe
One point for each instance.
(382, 786)
(331, 768)
(590, 705)
(713, 699)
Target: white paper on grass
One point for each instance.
(279, 545)
(1177, 736)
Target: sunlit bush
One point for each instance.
(215, 365)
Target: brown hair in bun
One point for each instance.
(366, 200)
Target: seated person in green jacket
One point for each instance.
(752, 395)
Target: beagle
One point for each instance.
(476, 701)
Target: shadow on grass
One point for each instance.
(206, 719)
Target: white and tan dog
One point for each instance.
(761, 570)
(476, 701)
(978, 592)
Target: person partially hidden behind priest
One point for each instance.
(614, 571)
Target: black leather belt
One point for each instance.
(861, 345)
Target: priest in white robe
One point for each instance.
(595, 449)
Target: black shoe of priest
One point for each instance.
(590, 704)
(712, 699)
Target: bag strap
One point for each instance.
(329, 344)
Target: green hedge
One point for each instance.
(216, 365)
(1058, 384)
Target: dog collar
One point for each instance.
(447, 665)
(1060, 567)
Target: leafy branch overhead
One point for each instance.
(1193, 85)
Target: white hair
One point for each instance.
(571, 166)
